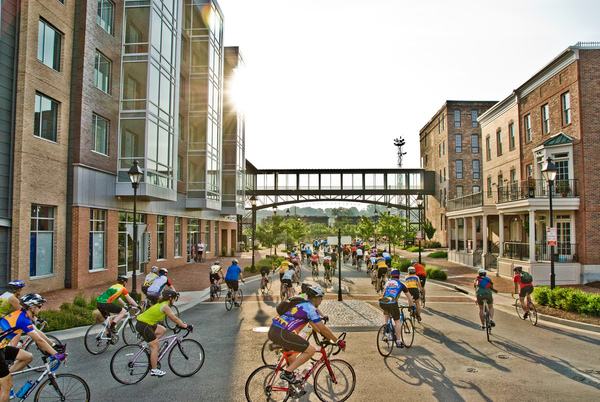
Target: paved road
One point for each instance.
(450, 360)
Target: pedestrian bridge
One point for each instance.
(397, 188)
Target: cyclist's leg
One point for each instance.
(481, 312)
(21, 358)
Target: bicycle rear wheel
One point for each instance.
(240, 297)
(270, 357)
(128, 365)
(34, 349)
(186, 358)
(130, 334)
(264, 384)
(97, 338)
(170, 324)
(533, 317)
(385, 340)
(212, 292)
(408, 333)
(269, 283)
(315, 276)
(229, 300)
(337, 384)
(63, 387)
(488, 326)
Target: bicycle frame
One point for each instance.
(47, 372)
(172, 339)
(124, 321)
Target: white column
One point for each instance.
(474, 232)
(449, 234)
(532, 235)
(465, 232)
(456, 234)
(501, 234)
(484, 231)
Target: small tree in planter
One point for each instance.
(563, 187)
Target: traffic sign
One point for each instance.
(333, 240)
(551, 236)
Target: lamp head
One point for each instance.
(135, 174)
(549, 170)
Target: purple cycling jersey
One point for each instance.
(297, 317)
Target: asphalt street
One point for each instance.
(450, 360)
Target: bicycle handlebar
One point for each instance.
(188, 329)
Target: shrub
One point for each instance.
(414, 249)
(433, 244)
(224, 251)
(438, 254)
(568, 299)
(436, 273)
(232, 252)
(68, 316)
(248, 268)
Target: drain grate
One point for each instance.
(503, 356)
(471, 370)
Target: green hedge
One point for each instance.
(414, 249)
(438, 254)
(568, 299)
(436, 273)
(70, 315)
(403, 264)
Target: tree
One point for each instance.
(365, 228)
(271, 233)
(348, 228)
(428, 229)
(318, 230)
(296, 228)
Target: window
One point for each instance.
(179, 168)
(99, 134)
(513, 175)
(46, 118)
(529, 170)
(459, 169)
(476, 171)
(441, 199)
(41, 249)
(489, 187)
(566, 108)
(457, 118)
(49, 41)
(476, 189)
(527, 123)
(440, 150)
(105, 15)
(459, 191)
(458, 143)
(444, 174)
(97, 238)
(545, 119)
(511, 136)
(443, 121)
(102, 73)
(474, 143)
(441, 176)
(426, 161)
(439, 125)
(474, 118)
(499, 142)
(177, 237)
(445, 198)
(488, 148)
(161, 227)
(444, 147)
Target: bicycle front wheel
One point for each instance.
(97, 338)
(37, 361)
(130, 334)
(186, 358)
(240, 297)
(264, 384)
(519, 309)
(268, 284)
(533, 317)
(229, 301)
(170, 324)
(63, 387)
(385, 340)
(408, 333)
(337, 384)
(130, 364)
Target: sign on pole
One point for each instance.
(141, 230)
(419, 235)
(333, 240)
(551, 236)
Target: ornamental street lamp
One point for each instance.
(375, 221)
(389, 209)
(420, 204)
(287, 240)
(135, 175)
(549, 172)
(253, 202)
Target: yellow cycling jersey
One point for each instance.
(284, 266)
(412, 281)
(381, 263)
(215, 269)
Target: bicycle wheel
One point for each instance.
(385, 340)
(315, 276)
(299, 274)
(34, 349)
(533, 317)
(269, 283)
(423, 300)
(229, 300)
(130, 334)
(186, 358)
(129, 365)
(264, 384)
(337, 384)
(63, 387)
(168, 323)
(212, 292)
(408, 333)
(519, 309)
(488, 326)
(240, 297)
(97, 338)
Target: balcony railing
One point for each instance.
(567, 252)
(467, 201)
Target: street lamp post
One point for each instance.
(549, 172)
(275, 214)
(287, 239)
(420, 203)
(375, 221)
(135, 175)
(389, 209)
(253, 202)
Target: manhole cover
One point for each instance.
(502, 357)
(471, 370)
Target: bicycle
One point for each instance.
(229, 298)
(268, 283)
(533, 317)
(26, 343)
(386, 336)
(327, 277)
(57, 387)
(488, 320)
(146, 304)
(131, 363)
(215, 291)
(98, 337)
(287, 291)
(334, 379)
(358, 263)
(298, 271)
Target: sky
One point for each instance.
(332, 83)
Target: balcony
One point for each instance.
(536, 188)
(567, 252)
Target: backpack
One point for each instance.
(526, 278)
(485, 283)
(287, 305)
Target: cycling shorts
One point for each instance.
(391, 309)
(526, 290)
(145, 290)
(315, 263)
(423, 279)
(388, 263)
(146, 330)
(108, 308)
(287, 282)
(7, 353)
(485, 296)
(414, 292)
(214, 277)
(232, 284)
(288, 340)
(326, 265)
(381, 272)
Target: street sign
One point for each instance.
(141, 230)
(551, 236)
(419, 235)
(333, 240)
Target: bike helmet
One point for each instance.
(163, 271)
(170, 293)
(518, 269)
(481, 272)
(314, 291)
(154, 269)
(395, 274)
(413, 262)
(217, 263)
(122, 279)
(32, 300)
(291, 266)
(411, 270)
(287, 257)
(15, 285)
(305, 287)
(235, 261)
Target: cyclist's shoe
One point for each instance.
(492, 323)
(12, 394)
(399, 344)
(289, 377)
(525, 316)
(157, 373)
(419, 318)
(483, 327)
(236, 304)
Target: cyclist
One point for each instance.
(15, 323)
(148, 328)
(359, 256)
(387, 257)
(345, 253)
(334, 258)
(353, 249)
(413, 283)
(327, 263)
(286, 282)
(308, 255)
(232, 278)
(265, 270)
(303, 251)
(524, 281)
(284, 266)
(149, 279)
(381, 270)
(388, 302)
(106, 300)
(420, 271)
(286, 327)
(9, 300)
(159, 284)
(216, 274)
(303, 289)
(315, 261)
(484, 288)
